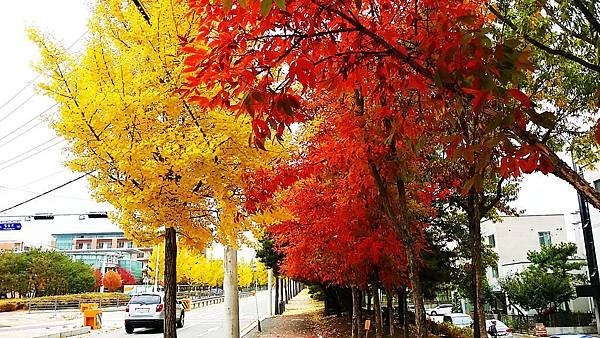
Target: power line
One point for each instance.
(25, 124)
(31, 82)
(18, 107)
(33, 192)
(47, 192)
(42, 178)
(28, 151)
(20, 91)
(32, 155)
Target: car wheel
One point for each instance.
(433, 313)
(128, 328)
(180, 322)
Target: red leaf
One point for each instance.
(521, 97)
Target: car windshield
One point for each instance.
(461, 320)
(145, 299)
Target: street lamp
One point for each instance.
(256, 294)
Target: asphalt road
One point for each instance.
(205, 322)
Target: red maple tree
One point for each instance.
(422, 77)
(127, 277)
(98, 276)
(112, 281)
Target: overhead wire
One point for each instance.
(6, 164)
(47, 192)
(28, 151)
(42, 178)
(25, 124)
(29, 83)
(33, 192)
(32, 81)
(18, 107)
(30, 156)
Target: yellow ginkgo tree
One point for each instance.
(170, 169)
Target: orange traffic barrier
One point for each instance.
(87, 306)
(540, 330)
(92, 318)
(186, 304)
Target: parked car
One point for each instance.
(146, 310)
(503, 330)
(575, 335)
(458, 319)
(442, 309)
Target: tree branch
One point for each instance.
(543, 47)
(588, 15)
(486, 208)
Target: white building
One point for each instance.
(515, 236)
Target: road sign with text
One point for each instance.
(10, 226)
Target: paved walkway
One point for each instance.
(303, 318)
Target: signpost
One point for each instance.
(10, 226)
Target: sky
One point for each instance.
(32, 159)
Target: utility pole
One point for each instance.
(156, 268)
(256, 295)
(270, 287)
(230, 289)
(590, 250)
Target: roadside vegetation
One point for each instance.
(43, 273)
(14, 304)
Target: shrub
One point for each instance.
(448, 330)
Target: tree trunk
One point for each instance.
(377, 307)
(355, 313)
(170, 283)
(390, 306)
(474, 215)
(402, 223)
(368, 301)
(277, 295)
(405, 320)
(361, 300)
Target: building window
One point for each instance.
(121, 244)
(492, 241)
(495, 271)
(545, 238)
(129, 244)
(597, 185)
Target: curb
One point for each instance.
(252, 326)
(68, 333)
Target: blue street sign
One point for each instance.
(10, 226)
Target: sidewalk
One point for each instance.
(303, 318)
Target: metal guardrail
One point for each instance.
(200, 300)
(56, 304)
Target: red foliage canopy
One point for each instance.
(126, 277)
(112, 281)
(269, 66)
(98, 276)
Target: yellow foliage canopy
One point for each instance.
(158, 160)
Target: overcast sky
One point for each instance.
(22, 178)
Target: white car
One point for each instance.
(442, 309)
(458, 319)
(503, 330)
(147, 310)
